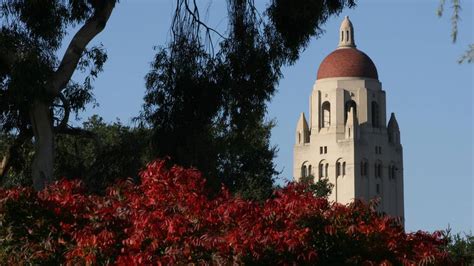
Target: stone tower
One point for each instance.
(347, 139)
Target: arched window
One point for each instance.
(340, 168)
(347, 35)
(323, 169)
(326, 118)
(342, 36)
(347, 107)
(375, 115)
(303, 171)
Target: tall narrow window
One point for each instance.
(364, 168)
(321, 172)
(378, 169)
(347, 35)
(375, 115)
(342, 36)
(309, 170)
(303, 171)
(350, 104)
(326, 118)
(338, 168)
(344, 168)
(327, 170)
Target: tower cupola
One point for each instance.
(347, 60)
(346, 34)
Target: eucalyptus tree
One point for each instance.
(37, 94)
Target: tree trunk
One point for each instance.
(42, 166)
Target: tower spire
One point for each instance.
(346, 34)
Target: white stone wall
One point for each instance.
(351, 141)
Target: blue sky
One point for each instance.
(429, 92)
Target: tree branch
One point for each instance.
(73, 54)
(67, 111)
(6, 161)
(195, 16)
(4, 165)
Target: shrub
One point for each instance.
(169, 218)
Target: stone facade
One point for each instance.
(347, 139)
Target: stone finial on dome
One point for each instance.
(346, 34)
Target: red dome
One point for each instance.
(347, 62)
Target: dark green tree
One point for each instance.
(208, 109)
(461, 248)
(182, 84)
(109, 152)
(37, 94)
(321, 188)
(15, 168)
(115, 151)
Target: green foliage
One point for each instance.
(19, 173)
(37, 94)
(31, 33)
(182, 99)
(468, 56)
(114, 151)
(108, 152)
(208, 110)
(296, 21)
(322, 188)
(460, 248)
(25, 221)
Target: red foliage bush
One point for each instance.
(169, 219)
